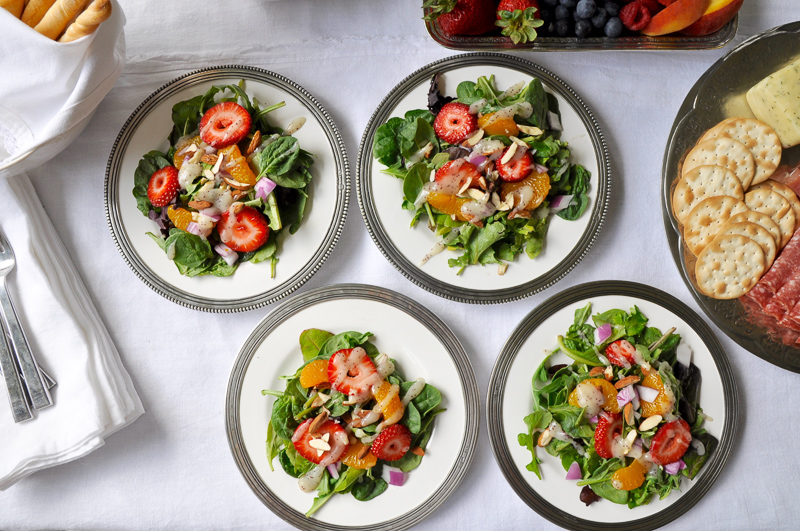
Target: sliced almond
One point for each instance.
(317, 422)
(237, 207)
(608, 373)
(233, 183)
(199, 205)
(238, 194)
(482, 182)
(476, 194)
(218, 164)
(518, 142)
(209, 159)
(496, 199)
(319, 445)
(596, 371)
(512, 149)
(474, 139)
(318, 401)
(501, 269)
(627, 413)
(433, 175)
(649, 423)
(364, 451)
(208, 174)
(465, 186)
(529, 129)
(625, 382)
(631, 437)
(254, 143)
(545, 437)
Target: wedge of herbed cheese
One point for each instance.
(776, 101)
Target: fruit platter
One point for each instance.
(575, 25)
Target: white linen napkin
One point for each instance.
(95, 396)
(50, 89)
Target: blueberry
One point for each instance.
(562, 27)
(562, 13)
(547, 15)
(586, 9)
(583, 28)
(613, 27)
(600, 18)
(575, 16)
(612, 8)
(569, 4)
(549, 3)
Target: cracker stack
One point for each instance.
(735, 219)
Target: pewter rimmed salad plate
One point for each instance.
(719, 94)
(509, 401)
(300, 255)
(567, 242)
(420, 343)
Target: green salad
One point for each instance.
(348, 422)
(624, 419)
(487, 169)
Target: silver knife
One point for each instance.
(16, 395)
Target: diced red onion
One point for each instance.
(647, 394)
(538, 168)
(264, 187)
(560, 202)
(211, 212)
(477, 158)
(674, 468)
(594, 420)
(603, 332)
(625, 395)
(194, 228)
(333, 470)
(397, 477)
(574, 471)
(554, 121)
(229, 255)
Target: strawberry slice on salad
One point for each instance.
(609, 426)
(392, 443)
(454, 122)
(325, 446)
(225, 124)
(245, 231)
(352, 372)
(620, 353)
(163, 186)
(458, 171)
(516, 169)
(670, 442)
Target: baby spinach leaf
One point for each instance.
(578, 186)
(582, 314)
(386, 147)
(311, 342)
(148, 165)
(220, 267)
(415, 134)
(186, 116)
(416, 177)
(607, 491)
(369, 488)
(282, 419)
(279, 158)
(428, 400)
(344, 340)
(411, 418)
(193, 254)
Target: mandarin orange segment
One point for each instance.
(605, 387)
(314, 373)
(540, 182)
(237, 165)
(389, 401)
(630, 477)
(351, 457)
(448, 204)
(501, 126)
(665, 400)
(177, 160)
(180, 217)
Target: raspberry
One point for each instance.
(653, 6)
(634, 16)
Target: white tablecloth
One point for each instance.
(172, 468)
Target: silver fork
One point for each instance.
(37, 391)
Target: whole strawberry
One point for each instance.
(462, 17)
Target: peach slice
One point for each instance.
(675, 17)
(718, 13)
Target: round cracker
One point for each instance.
(707, 218)
(755, 232)
(785, 191)
(725, 152)
(701, 183)
(758, 137)
(729, 266)
(759, 219)
(775, 206)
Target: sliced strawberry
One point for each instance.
(325, 446)
(454, 122)
(455, 174)
(225, 124)
(245, 231)
(163, 186)
(392, 443)
(352, 372)
(670, 442)
(516, 169)
(609, 425)
(620, 353)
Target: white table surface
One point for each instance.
(172, 468)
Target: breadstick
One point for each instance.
(58, 16)
(94, 14)
(35, 10)
(14, 7)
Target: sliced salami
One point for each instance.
(784, 268)
(785, 299)
(788, 175)
(760, 295)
